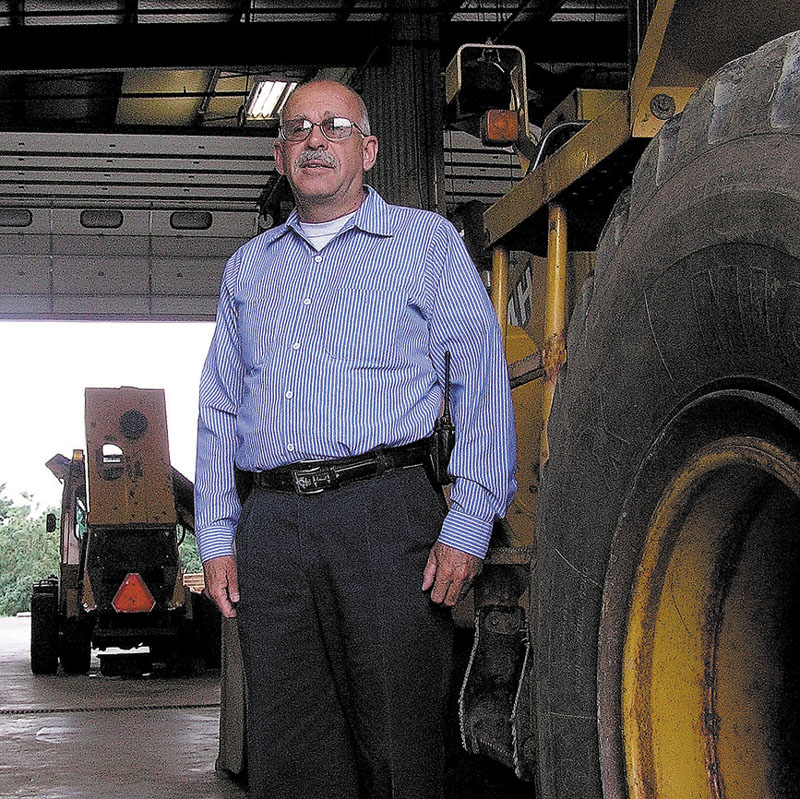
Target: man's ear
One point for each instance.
(369, 153)
(277, 149)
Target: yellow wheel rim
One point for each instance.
(709, 683)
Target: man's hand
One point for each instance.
(222, 583)
(451, 572)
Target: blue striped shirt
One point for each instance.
(321, 355)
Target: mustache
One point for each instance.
(318, 154)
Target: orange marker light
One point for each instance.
(499, 127)
(133, 596)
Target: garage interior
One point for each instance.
(131, 168)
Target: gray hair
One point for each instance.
(363, 123)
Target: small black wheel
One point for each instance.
(44, 633)
(75, 651)
(170, 658)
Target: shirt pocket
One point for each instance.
(364, 325)
(256, 334)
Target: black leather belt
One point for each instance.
(314, 477)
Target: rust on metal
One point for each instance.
(129, 474)
(555, 312)
(554, 354)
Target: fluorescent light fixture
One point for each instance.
(268, 98)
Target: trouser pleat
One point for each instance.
(347, 661)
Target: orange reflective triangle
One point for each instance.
(133, 596)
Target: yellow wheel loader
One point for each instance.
(121, 586)
(636, 639)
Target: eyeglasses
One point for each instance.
(333, 129)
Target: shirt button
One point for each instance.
(296, 345)
(289, 394)
(290, 447)
(318, 259)
(307, 301)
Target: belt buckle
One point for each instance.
(314, 480)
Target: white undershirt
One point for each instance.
(318, 234)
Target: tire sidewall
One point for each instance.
(700, 292)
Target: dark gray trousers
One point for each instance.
(347, 661)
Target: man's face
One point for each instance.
(324, 173)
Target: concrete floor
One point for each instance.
(93, 737)
(97, 737)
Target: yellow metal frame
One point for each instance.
(500, 287)
(585, 150)
(686, 42)
(555, 314)
(684, 669)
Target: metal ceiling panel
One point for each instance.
(158, 11)
(42, 100)
(37, 163)
(71, 12)
(177, 70)
(144, 269)
(202, 172)
(210, 172)
(315, 11)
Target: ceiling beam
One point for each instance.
(40, 48)
(345, 10)
(131, 12)
(16, 12)
(37, 48)
(548, 42)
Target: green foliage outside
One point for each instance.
(190, 559)
(27, 553)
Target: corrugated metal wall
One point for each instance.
(87, 225)
(56, 267)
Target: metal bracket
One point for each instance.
(528, 369)
(491, 682)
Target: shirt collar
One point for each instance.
(372, 216)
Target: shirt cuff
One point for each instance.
(214, 542)
(466, 533)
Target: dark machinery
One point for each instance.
(121, 584)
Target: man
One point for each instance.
(324, 378)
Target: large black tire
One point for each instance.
(44, 633)
(687, 337)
